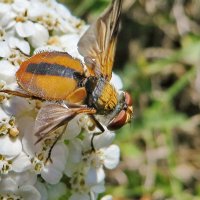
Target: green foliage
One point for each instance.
(85, 7)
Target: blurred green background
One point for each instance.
(158, 58)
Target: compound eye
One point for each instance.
(128, 99)
(118, 121)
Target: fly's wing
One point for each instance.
(52, 116)
(98, 44)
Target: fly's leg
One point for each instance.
(56, 140)
(101, 128)
(19, 93)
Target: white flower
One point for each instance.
(11, 44)
(30, 169)
(7, 73)
(73, 129)
(10, 147)
(107, 197)
(92, 194)
(95, 175)
(74, 157)
(51, 192)
(56, 191)
(16, 16)
(17, 105)
(22, 45)
(21, 163)
(68, 42)
(19, 186)
(6, 16)
(52, 170)
(19, 16)
(85, 166)
(111, 156)
(25, 29)
(12, 50)
(42, 190)
(116, 81)
(40, 37)
(11, 156)
(108, 157)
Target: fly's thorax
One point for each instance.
(101, 95)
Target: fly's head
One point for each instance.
(124, 113)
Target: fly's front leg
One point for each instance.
(101, 128)
(53, 144)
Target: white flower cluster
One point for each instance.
(73, 171)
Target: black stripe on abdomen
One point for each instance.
(44, 68)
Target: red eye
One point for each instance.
(124, 115)
(119, 121)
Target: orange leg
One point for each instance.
(19, 94)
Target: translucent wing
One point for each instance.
(52, 116)
(98, 43)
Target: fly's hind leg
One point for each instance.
(19, 93)
(101, 128)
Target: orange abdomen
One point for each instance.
(52, 76)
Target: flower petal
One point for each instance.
(116, 81)
(40, 37)
(56, 191)
(62, 10)
(7, 71)
(94, 176)
(69, 43)
(3, 114)
(51, 175)
(59, 156)
(29, 192)
(42, 190)
(20, 5)
(70, 169)
(25, 178)
(20, 44)
(21, 163)
(112, 154)
(4, 50)
(26, 127)
(104, 139)
(10, 147)
(75, 151)
(16, 106)
(7, 184)
(6, 16)
(107, 197)
(99, 188)
(73, 129)
(25, 29)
